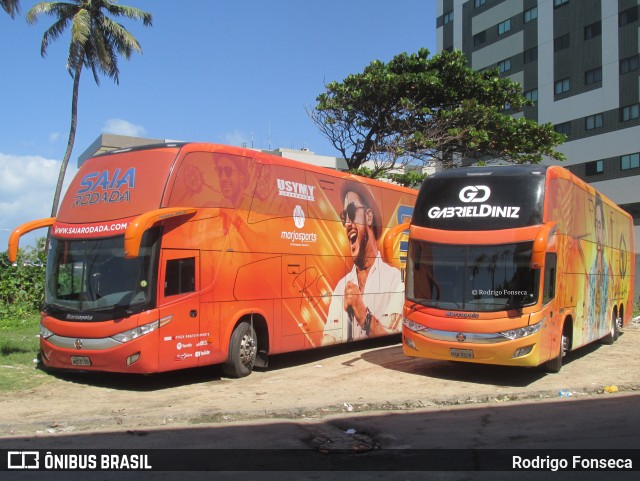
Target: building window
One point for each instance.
(531, 95)
(593, 122)
(530, 14)
(631, 161)
(562, 86)
(479, 3)
(628, 16)
(561, 43)
(593, 30)
(629, 64)
(630, 112)
(504, 27)
(504, 66)
(563, 128)
(448, 17)
(559, 3)
(593, 76)
(594, 168)
(531, 55)
(479, 38)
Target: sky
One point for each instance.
(224, 71)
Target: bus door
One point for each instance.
(550, 310)
(294, 288)
(179, 307)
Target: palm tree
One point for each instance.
(11, 6)
(96, 42)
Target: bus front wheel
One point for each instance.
(554, 365)
(243, 348)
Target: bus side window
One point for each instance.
(180, 276)
(549, 288)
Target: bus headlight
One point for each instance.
(522, 331)
(412, 326)
(44, 332)
(139, 331)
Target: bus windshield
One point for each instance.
(92, 275)
(479, 278)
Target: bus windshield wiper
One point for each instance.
(423, 303)
(122, 311)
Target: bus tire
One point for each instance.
(554, 365)
(243, 349)
(614, 330)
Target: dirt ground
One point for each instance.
(369, 376)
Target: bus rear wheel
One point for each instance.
(614, 330)
(243, 349)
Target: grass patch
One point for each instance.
(19, 345)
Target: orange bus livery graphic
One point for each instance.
(515, 265)
(186, 254)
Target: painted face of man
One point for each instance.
(356, 218)
(230, 179)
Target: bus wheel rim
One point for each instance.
(247, 349)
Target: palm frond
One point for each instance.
(56, 9)
(52, 33)
(130, 12)
(11, 7)
(125, 43)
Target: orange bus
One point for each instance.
(515, 265)
(188, 254)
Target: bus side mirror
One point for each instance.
(18, 232)
(389, 240)
(540, 244)
(138, 226)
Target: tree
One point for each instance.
(421, 109)
(96, 42)
(11, 7)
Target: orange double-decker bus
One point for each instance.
(515, 265)
(188, 254)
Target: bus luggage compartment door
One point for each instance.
(293, 279)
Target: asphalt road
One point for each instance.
(400, 445)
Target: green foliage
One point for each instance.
(21, 285)
(19, 345)
(21, 298)
(21, 340)
(363, 171)
(426, 108)
(412, 179)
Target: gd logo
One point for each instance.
(475, 193)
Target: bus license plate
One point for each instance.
(461, 353)
(80, 361)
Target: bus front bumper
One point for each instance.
(484, 348)
(97, 355)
